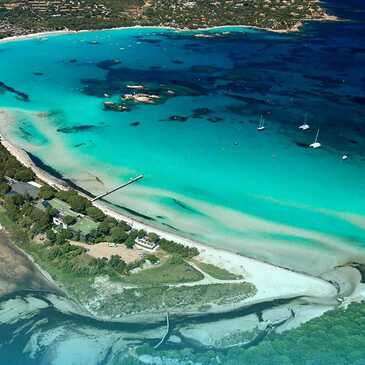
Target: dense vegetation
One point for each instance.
(22, 17)
(31, 222)
(174, 271)
(10, 167)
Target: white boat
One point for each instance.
(315, 144)
(345, 157)
(261, 126)
(135, 87)
(305, 125)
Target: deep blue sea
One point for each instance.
(209, 173)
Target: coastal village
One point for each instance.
(51, 15)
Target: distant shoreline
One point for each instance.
(295, 28)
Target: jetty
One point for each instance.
(166, 333)
(131, 181)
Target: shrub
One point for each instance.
(176, 248)
(152, 259)
(117, 264)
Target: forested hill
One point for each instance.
(23, 17)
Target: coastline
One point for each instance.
(271, 282)
(295, 28)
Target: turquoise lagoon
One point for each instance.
(212, 176)
(209, 174)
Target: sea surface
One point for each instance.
(209, 174)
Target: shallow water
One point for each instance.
(209, 175)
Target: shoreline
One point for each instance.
(270, 281)
(295, 28)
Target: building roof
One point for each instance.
(19, 187)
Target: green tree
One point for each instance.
(153, 237)
(125, 226)
(142, 233)
(51, 236)
(17, 199)
(46, 192)
(104, 228)
(95, 213)
(130, 242)
(118, 235)
(42, 221)
(77, 203)
(24, 174)
(53, 212)
(69, 220)
(4, 188)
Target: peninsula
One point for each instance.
(56, 15)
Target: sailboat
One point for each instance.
(315, 144)
(261, 126)
(304, 126)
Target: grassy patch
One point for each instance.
(216, 272)
(170, 272)
(85, 225)
(62, 207)
(218, 294)
(162, 298)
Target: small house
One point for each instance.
(146, 244)
(57, 221)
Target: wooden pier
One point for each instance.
(163, 339)
(131, 181)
